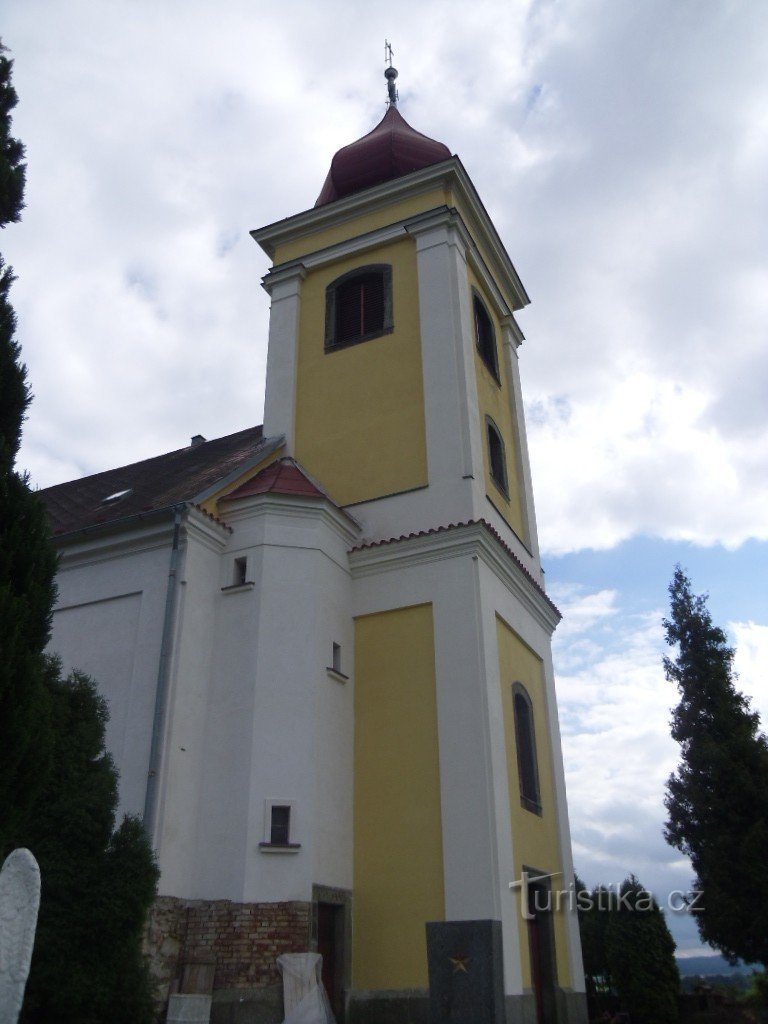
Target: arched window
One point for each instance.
(358, 306)
(485, 336)
(525, 740)
(496, 458)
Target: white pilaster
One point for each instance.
(284, 287)
(511, 339)
(454, 444)
(563, 824)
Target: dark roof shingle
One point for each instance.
(156, 483)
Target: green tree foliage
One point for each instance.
(628, 953)
(641, 956)
(97, 882)
(717, 799)
(12, 168)
(593, 926)
(757, 995)
(27, 559)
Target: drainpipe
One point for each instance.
(163, 676)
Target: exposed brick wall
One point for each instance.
(243, 940)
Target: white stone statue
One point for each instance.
(19, 901)
(304, 996)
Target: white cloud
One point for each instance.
(647, 459)
(623, 163)
(751, 664)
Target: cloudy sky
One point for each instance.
(622, 151)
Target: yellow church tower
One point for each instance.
(393, 378)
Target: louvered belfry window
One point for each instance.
(496, 457)
(526, 750)
(359, 306)
(485, 337)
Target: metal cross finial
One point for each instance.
(390, 74)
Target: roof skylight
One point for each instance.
(117, 496)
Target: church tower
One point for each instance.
(326, 643)
(393, 376)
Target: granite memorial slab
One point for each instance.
(466, 972)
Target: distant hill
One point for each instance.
(708, 965)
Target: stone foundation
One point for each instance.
(240, 943)
(391, 1006)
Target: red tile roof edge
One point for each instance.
(317, 492)
(211, 516)
(457, 526)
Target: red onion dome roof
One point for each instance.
(391, 150)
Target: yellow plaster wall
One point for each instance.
(534, 837)
(495, 401)
(398, 861)
(358, 225)
(360, 426)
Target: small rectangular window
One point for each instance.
(280, 825)
(240, 571)
(336, 658)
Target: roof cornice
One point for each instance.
(449, 173)
(293, 506)
(476, 537)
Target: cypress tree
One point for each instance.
(717, 799)
(27, 559)
(97, 882)
(593, 925)
(641, 957)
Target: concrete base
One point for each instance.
(396, 1006)
(248, 1005)
(189, 1009)
(571, 1008)
(521, 1009)
(411, 1006)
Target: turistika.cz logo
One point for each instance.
(538, 896)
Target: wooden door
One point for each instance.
(542, 952)
(329, 940)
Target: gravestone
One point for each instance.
(466, 972)
(19, 902)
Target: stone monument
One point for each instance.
(466, 973)
(19, 901)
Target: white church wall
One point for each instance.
(224, 808)
(303, 579)
(108, 623)
(184, 761)
(277, 728)
(334, 728)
